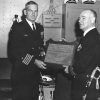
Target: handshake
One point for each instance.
(69, 70)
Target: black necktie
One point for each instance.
(33, 27)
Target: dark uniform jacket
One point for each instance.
(23, 40)
(87, 58)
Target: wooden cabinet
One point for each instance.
(71, 13)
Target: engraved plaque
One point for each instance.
(60, 54)
(50, 20)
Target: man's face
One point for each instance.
(84, 20)
(31, 12)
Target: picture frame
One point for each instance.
(60, 53)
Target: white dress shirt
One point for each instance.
(30, 23)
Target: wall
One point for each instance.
(7, 10)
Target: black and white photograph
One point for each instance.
(49, 49)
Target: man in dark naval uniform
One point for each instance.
(24, 47)
(87, 58)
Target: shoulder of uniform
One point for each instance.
(39, 26)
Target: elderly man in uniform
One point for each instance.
(86, 60)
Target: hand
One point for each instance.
(40, 64)
(66, 68)
(71, 71)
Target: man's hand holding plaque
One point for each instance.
(66, 69)
(69, 70)
(40, 64)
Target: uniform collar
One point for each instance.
(30, 23)
(88, 30)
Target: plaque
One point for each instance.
(54, 20)
(60, 54)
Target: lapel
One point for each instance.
(91, 33)
(28, 29)
(88, 40)
(79, 47)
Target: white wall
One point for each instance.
(8, 8)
